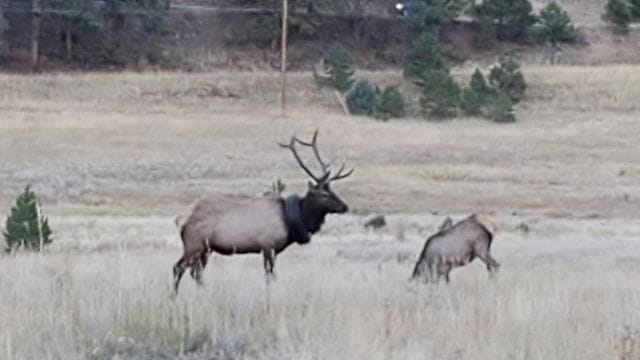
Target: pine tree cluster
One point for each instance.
(337, 70)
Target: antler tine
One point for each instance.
(292, 146)
(314, 146)
(340, 175)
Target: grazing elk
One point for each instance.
(232, 225)
(456, 245)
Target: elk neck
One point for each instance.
(312, 215)
(296, 230)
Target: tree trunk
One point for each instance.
(36, 14)
(69, 40)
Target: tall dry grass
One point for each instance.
(117, 306)
(567, 289)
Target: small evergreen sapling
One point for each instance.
(23, 228)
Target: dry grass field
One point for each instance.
(116, 156)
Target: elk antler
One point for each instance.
(340, 175)
(313, 145)
(292, 146)
(326, 168)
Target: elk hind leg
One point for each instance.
(269, 257)
(198, 266)
(178, 270)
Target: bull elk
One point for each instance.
(456, 245)
(231, 225)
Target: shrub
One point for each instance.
(499, 108)
(618, 14)
(336, 69)
(23, 229)
(389, 103)
(440, 94)
(361, 99)
(507, 78)
(276, 189)
(512, 18)
(424, 56)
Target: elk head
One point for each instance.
(319, 199)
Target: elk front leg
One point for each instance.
(443, 270)
(269, 257)
(490, 262)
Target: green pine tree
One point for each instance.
(440, 94)
(554, 27)
(4, 26)
(477, 95)
(507, 78)
(423, 57)
(634, 9)
(433, 13)
(389, 103)
(617, 12)
(336, 69)
(556, 24)
(361, 99)
(480, 85)
(22, 229)
(77, 14)
(471, 102)
(512, 18)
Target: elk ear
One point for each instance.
(311, 185)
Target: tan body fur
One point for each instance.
(235, 225)
(457, 245)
